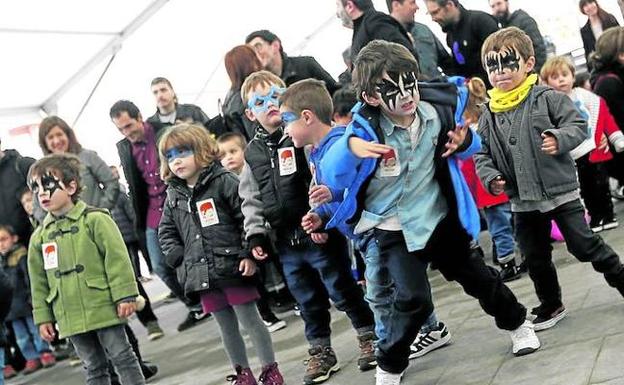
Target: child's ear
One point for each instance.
(250, 115)
(308, 116)
(370, 100)
(71, 187)
(336, 117)
(530, 64)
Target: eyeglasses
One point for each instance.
(177, 152)
(259, 103)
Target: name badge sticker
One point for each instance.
(50, 255)
(287, 163)
(390, 164)
(207, 211)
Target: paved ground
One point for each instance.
(585, 348)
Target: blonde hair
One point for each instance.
(554, 65)
(477, 95)
(260, 78)
(204, 146)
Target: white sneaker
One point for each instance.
(424, 343)
(384, 378)
(524, 339)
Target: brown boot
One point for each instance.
(367, 359)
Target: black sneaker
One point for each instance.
(432, 340)
(321, 365)
(273, 323)
(609, 223)
(547, 318)
(149, 370)
(596, 225)
(193, 318)
(509, 271)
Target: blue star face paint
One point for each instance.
(259, 103)
(178, 152)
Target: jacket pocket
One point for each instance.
(226, 260)
(98, 293)
(52, 300)
(52, 295)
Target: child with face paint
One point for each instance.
(415, 206)
(201, 234)
(80, 274)
(274, 188)
(528, 132)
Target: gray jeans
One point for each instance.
(95, 346)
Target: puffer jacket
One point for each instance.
(201, 231)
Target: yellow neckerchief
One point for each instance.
(501, 101)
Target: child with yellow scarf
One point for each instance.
(527, 133)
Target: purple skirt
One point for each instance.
(218, 299)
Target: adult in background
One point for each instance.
(466, 30)
(13, 170)
(607, 80)
(139, 158)
(522, 20)
(368, 24)
(598, 20)
(240, 62)
(290, 69)
(431, 52)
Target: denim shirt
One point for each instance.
(414, 194)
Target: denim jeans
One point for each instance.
(379, 288)
(498, 220)
(316, 273)
(96, 346)
(533, 230)
(27, 336)
(166, 273)
(411, 300)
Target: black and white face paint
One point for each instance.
(507, 60)
(397, 86)
(47, 183)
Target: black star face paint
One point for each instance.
(397, 86)
(47, 183)
(507, 60)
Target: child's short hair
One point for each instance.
(344, 99)
(9, 229)
(65, 166)
(554, 65)
(309, 94)
(233, 136)
(580, 79)
(21, 192)
(379, 56)
(477, 95)
(508, 37)
(260, 78)
(205, 149)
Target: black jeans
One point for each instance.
(448, 249)
(594, 180)
(533, 235)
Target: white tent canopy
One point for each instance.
(56, 52)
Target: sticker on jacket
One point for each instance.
(390, 164)
(287, 164)
(50, 255)
(207, 212)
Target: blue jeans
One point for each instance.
(379, 288)
(498, 220)
(316, 273)
(95, 348)
(166, 273)
(27, 336)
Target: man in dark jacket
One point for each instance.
(369, 24)
(290, 69)
(522, 20)
(139, 158)
(466, 30)
(13, 172)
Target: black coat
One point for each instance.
(465, 39)
(123, 214)
(234, 115)
(15, 264)
(205, 255)
(6, 296)
(13, 172)
(589, 40)
(525, 22)
(374, 25)
(295, 68)
(184, 112)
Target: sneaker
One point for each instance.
(271, 375)
(9, 372)
(524, 339)
(546, 319)
(385, 378)
(321, 365)
(609, 223)
(596, 225)
(47, 359)
(154, 331)
(242, 377)
(31, 366)
(144, 279)
(509, 271)
(297, 310)
(432, 340)
(148, 369)
(367, 359)
(618, 193)
(274, 324)
(194, 317)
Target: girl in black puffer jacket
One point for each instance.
(201, 234)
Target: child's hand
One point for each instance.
(319, 238)
(247, 267)
(47, 331)
(258, 253)
(549, 144)
(311, 222)
(126, 309)
(456, 139)
(320, 194)
(364, 149)
(497, 186)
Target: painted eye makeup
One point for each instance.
(289, 117)
(47, 183)
(178, 152)
(506, 59)
(260, 103)
(398, 85)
